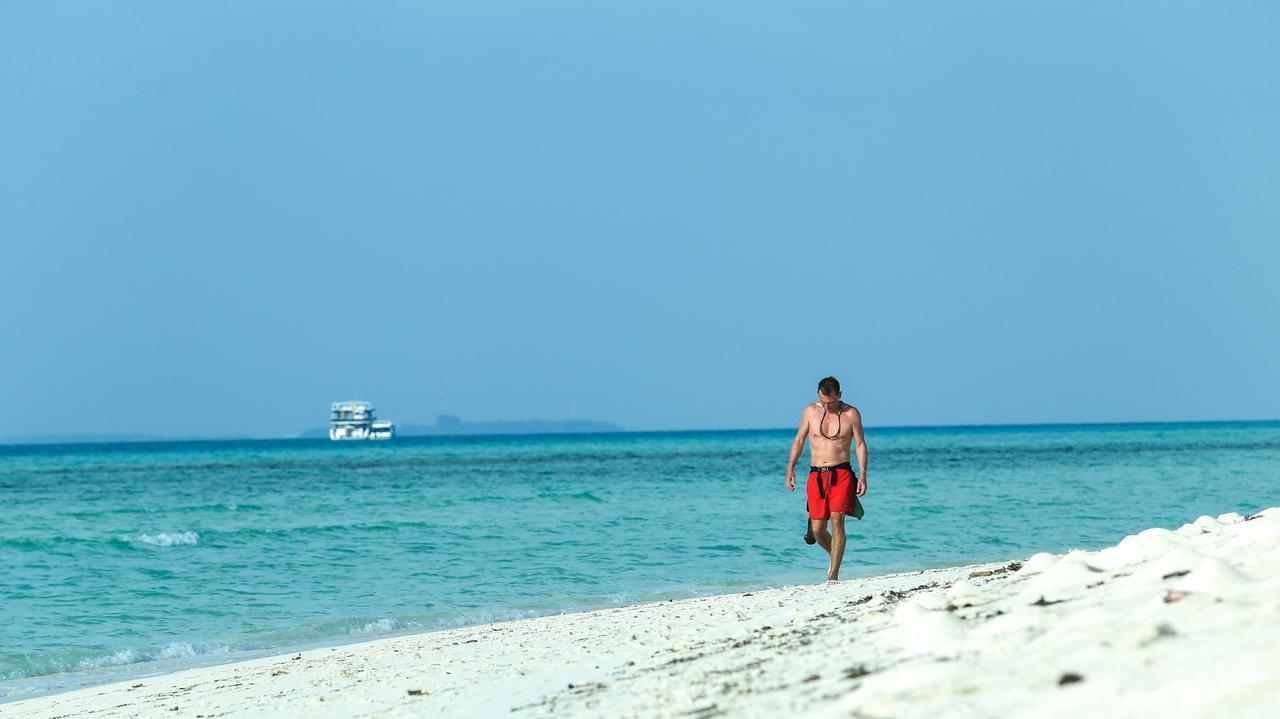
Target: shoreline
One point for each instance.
(132, 672)
(1119, 629)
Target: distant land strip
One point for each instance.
(447, 424)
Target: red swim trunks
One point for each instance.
(831, 489)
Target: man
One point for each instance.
(831, 426)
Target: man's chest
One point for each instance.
(832, 428)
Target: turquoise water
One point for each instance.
(120, 560)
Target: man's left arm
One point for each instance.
(860, 446)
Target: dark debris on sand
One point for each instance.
(1010, 567)
(856, 671)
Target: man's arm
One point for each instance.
(797, 446)
(860, 446)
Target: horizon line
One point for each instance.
(136, 438)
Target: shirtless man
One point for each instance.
(830, 426)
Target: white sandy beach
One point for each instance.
(1182, 623)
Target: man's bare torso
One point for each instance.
(824, 450)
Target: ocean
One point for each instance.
(122, 560)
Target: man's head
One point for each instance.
(829, 392)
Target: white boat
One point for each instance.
(354, 419)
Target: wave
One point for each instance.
(31, 666)
(328, 460)
(40, 664)
(41, 544)
(217, 507)
(421, 623)
(63, 544)
(385, 625)
(173, 650)
(323, 529)
(166, 539)
(28, 666)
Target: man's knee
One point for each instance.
(819, 526)
(837, 523)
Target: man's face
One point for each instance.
(829, 402)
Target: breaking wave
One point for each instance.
(166, 539)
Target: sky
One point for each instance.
(217, 218)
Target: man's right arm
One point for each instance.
(797, 446)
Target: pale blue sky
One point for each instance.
(216, 218)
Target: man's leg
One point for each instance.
(836, 545)
(819, 529)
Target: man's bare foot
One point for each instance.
(832, 581)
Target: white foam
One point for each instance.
(385, 625)
(167, 539)
(1230, 518)
(124, 656)
(176, 650)
(173, 650)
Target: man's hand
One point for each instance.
(862, 486)
(791, 480)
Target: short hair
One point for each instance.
(830, 386)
